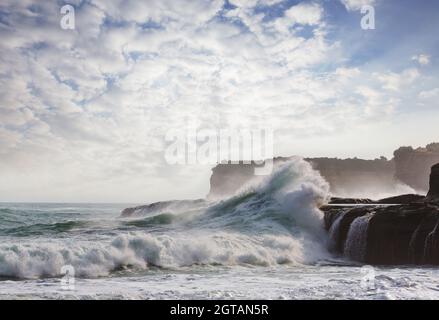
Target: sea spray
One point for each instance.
(276, 221)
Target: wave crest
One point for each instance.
(274, 221)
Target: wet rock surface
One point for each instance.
(433, 194)
(401, 230)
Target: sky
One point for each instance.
(84, 112)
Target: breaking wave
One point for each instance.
(276, 221)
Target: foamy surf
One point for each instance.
(275, 221)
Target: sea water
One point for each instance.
(266, 242)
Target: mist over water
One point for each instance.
(375, 190)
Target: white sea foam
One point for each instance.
(142, 251)
(274, 222)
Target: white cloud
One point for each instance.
(187, 12)
(422, 59)
(396, 81)
(305, 13)
(429, 94)
(309, 14)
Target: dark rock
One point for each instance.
(159, 206)
(336, 200)
(330, 215)
(417, 243)
(397, 234)
(433, 193)
(404, 199)
(431, 251)
(392, 229)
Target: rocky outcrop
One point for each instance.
(158, 207)
(403, 199)
(433, 194)
(402, 234)
(337, 200)
(389, 234)
(394, 235)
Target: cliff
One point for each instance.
(348, 177)
(433, 193)
(226, 179)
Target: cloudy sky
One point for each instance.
(84, 112)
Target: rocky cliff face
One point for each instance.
(389, 235)
(226, 179)
(347, 177)
(433, 194)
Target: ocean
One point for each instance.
(265, 242)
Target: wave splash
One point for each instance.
(274, 221)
